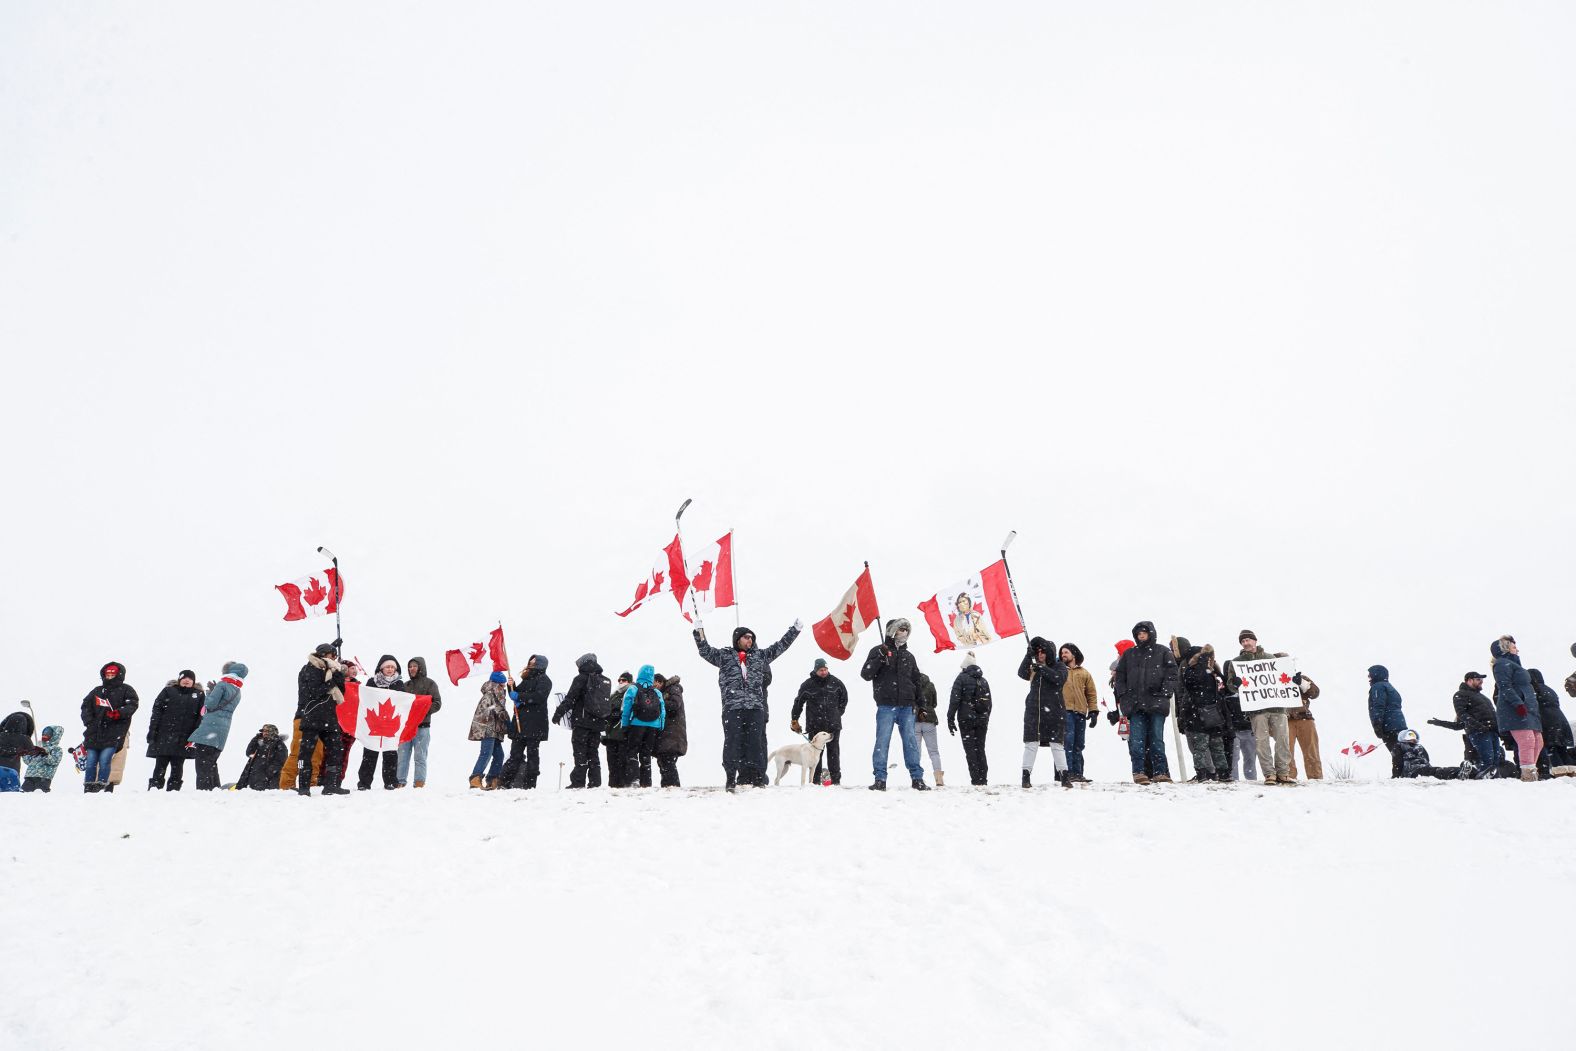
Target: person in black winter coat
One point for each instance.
(1044, 708)
(1145, 679)
(1414, 759)
(968, 712)
(528, 727)
(673, 738)
(894, 678)
(620, 767)
(1559, 757)
(1199, 717)
(265, 759)
(176, 712)
(586, 706)
(319, 689)
(16, 744)
(821, 701)
(106, 713)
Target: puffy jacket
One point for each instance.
(589, 689)
(1556, 728)
(674, 738)
(1514, 700)
(743, 682)
(893, 675)
(107, 709)
(1146, 675)
(265, 758)
(16, 739)
(223, 700)
(645, 678)
(319, 689)
(491, 718)
(1384, 703)
(45, 765)
(822, 703)
(423, 685)
(970, 705)
(1044, 712)
(176, 712)
(1414, 760)
(1198, 696)
(925, 704)
(1474, 711)
(530, 707)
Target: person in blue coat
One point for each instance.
(207, 741)
(1384, 713)
(1516, 705)
(644, 714)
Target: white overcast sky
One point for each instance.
(1242, 314)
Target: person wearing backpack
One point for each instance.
(643, 715)
(969, 711)
(586, 706)
(673, 738)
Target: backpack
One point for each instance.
(598, 700)
(647, 705)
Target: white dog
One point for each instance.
(806, 754)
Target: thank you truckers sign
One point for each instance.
(1268, 684)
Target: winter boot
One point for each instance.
(105, 786)
(940, 779)
(919, 785)
(1026, 782)
(878, 786)
(155, 785)
(304, 790)
(335, 790)
(1160, 779)
(1067, 780)
(1140, 779)
(418, 784)
(491, 785)
(89, 787)
(476, 781)
(1529, 773)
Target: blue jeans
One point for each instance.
(886, 715)
(97, 768)
(492, 747)
(1077, 727)
(1146, 738)
(1486, 745)
(9, 781)
(416, 746)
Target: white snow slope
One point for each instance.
(1362, 914)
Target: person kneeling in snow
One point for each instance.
(265, 759)
(43, 763)
(1414, 759)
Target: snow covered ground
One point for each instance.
(1356, 914)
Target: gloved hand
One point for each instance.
(190, 747)
(794, 726)
(113, 714)
(1094, 719)
(1521, 710)
(1113, 717)
(953, 730)
(1297, 678)
(798, 625)
(700, 636)
(557, 719)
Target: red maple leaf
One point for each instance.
(701, 581)
(314, 593)
(478, 651)
(1284, 679)
(847, 625)
(384, 722)
(656, 582)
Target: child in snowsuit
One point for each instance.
(41, 768)
(1413, 758)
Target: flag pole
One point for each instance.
(1011, 587)
(733, 570)
(679, 530)
(339, 634)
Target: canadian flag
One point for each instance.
(855, 611)
(974, 612)
(381, 719)
(460, 663)
(711, 587)
(667, 575)
(313, 596)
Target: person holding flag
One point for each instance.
(320, 688)
(893, 675)
(741, 679)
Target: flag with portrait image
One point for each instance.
(973, 612)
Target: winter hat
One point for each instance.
(270, 730)
(1245, 634)
(186, 673)
(1075, 651)
(1573, 649)
(624, 676)
(1378, 673)
(324, 649)
(498, 677)
(112, 668)
(235, 668)
(820, 662)
(897, 625)
(1408, 736)
(739, 633)
(1123, 646)
(970, 661)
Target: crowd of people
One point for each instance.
(627, 723)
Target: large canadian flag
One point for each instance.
(711, 587)
(838, 633)
(313, 596)
(973, 612)
(489, 654)
(380, 719)
(667, 575)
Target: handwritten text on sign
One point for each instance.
(1268, 683)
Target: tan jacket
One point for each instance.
(1080, 695)
(1310, 692)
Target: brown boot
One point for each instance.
(476, 781)
(418, 784)
(1140, 779)
(492, 785)
(1160, 779)
(940, 782)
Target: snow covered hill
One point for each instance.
(1360, 914)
